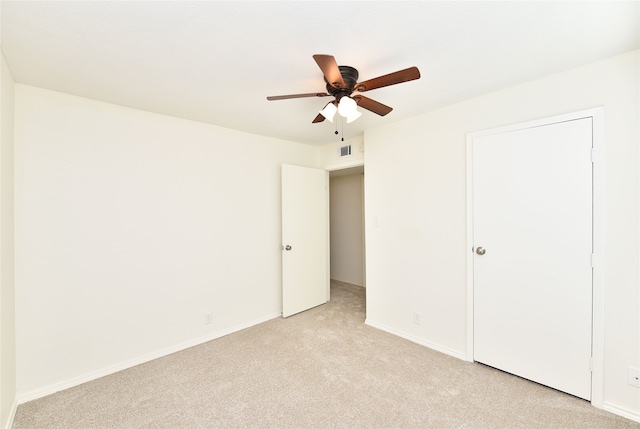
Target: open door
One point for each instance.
(305, 239)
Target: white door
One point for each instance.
(305, 239)
(532, 235)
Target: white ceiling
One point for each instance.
(217, 61)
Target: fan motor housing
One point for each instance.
(350, 78)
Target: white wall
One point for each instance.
(7, 285)
(130, 227)
(330, 155)
(416, 256)
(347, 243)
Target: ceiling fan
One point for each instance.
(342, 83)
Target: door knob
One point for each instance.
(287, 247)
(480, 251)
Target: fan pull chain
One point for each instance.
(341, 128)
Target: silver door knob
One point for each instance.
(287, 247)
(480, 251)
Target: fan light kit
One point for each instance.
(347, 108)
(342, 84)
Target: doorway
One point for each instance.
(346, 220)
(306, 223)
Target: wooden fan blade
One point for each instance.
(286, 97)
(372, 105)
(329, 67)
(412, 73)
(318, 118)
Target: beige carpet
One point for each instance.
(319, 369)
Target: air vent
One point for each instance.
(345, 150)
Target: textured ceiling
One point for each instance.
(216, 61)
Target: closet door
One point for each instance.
(532, 272)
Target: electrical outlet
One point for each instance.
(208, 318)
(634, 376)
(417, 318)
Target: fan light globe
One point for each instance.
(329, 111)
(352, 117)
(347, 107)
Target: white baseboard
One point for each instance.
(436, 347)
(623, 412)
(66, 384)
(348, 282)
(12, 414)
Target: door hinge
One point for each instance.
(591, 364)
(593, 155)
(593, 260)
